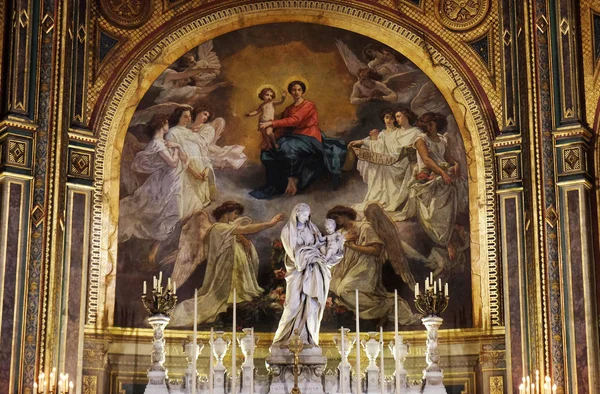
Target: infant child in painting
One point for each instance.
(334, 241)
(267, 113)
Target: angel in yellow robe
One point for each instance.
(232, 263)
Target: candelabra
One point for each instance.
(530, 386)
(431, 304)
(49, 385)
(159, 305)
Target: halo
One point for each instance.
(297, 78)
(261, 87)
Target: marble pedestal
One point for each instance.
(311, 365)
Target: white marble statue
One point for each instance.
(308, 277)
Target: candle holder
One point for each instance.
(431, 304)
(53, 384)
(295, 345)
(159, 304)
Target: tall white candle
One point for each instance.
(396, 358)
(358, 370)
(416, 289)
(144, 287)
(210, 364)
(381, 370)
(252, 358)
(195, 341)
(431, 277)
(234, 348)
(342, 373)
(446, 289)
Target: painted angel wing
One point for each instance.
(429, 99)
(407, 84)
(352, 61)
(385, 228)
(456, 145)
(207, 58)
(219, 126)
(191, 251)
(144, 116)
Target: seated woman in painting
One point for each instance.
(438, 187)
(232, 262)
(389, 184)
(154, 209)
(304, 153)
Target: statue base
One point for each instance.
(433, 383)
(311, 365)
(157, 383)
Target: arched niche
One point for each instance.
(460, 89)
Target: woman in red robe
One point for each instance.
(304, 152)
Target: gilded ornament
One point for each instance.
(461, 15)
(127, 14)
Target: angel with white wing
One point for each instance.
(369, 243)
(381, 79)
(231, 261)
(195, 80)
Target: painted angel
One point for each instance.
(381, 80)
(369, 243)
(194, 79)
(231, 261)
(229, 156)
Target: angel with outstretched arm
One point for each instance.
(231, 261)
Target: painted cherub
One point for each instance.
(267, 113)
(334, 241)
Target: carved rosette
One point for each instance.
(127, 14)
(461, 14)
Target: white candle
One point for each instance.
(342, 374)
(381, 370)
(154, 284)
(416, 289)
(554, 389)
(434, 287)
(431, 277)
(210, 364)
(195, 341)
(234, 348)
(144, 287)
(446, 289)
(252, 358)
(160, 278)
(358, 370)
(440, 285)
(169, 283)
(174, 287)
(426, 284)
(537, 381)
(397, 359)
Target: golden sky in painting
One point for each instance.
(328, 85)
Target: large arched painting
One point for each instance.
(219, 151)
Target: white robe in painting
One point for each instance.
(175, 90)
(435, 203)
(388, 185)
(307, 281)
(154, 209)
(197, 193)
(362, 272)
(232, 262)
